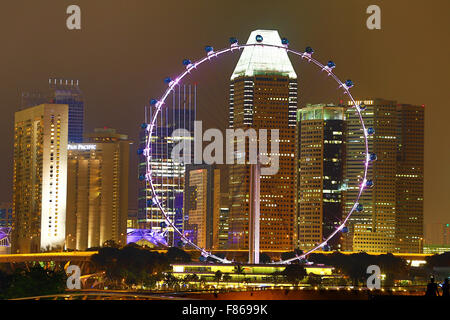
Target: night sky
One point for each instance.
(126, 48)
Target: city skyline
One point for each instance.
(225, 151)
(138, 78)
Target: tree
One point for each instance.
(177, 255)
(294, 273)
(226, 277)
(238, 269)
(218, 276)
(291, 254)
(36, 282)
(264, 258)
(170, 280)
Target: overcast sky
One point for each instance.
(126, 48)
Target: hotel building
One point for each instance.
(97, 196)
(40, 178)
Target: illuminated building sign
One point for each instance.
(81, 147)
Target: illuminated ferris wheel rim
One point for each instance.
(211, 54)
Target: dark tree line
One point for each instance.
(134, 265)
(36, 281)
(355, 265)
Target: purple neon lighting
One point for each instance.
(209, 57)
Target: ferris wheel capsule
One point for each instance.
(326, 247)
(331, 64)
(233, 43)
(144, 126)
(369, 183)
(153, 102)
(285, 42)
(359, 207)
(209, 50)
(344, 229)
(349, 84)
(259, 38)
(188, 64)
(372, 157)
(370, 131)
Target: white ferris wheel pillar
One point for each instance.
(254, 214)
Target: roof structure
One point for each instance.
(264, 60)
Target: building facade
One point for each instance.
(372, 229)
(409, 178)
(6, 214)
(202, 205)
(97, 193)
(167, 175)
(62, 92)
(224, 220)
(263, 95)
(40, 178)
(321, 155)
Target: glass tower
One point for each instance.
(168, 176)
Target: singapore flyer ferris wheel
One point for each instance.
(214, 56)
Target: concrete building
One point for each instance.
(40, 178)
(97, 194)
(224, 220)
(373, 229)
(202, 205)
(409, 178)
(62, 91)
(263, 95)
(321, 155)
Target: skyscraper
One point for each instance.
(202, 204)
(224, 220)
(373, 229)
(321, 156)
(6, 218)
(167, 175)
(409, 178)
(40, 178)
(263, 95)
(62, 92)
(97, 193)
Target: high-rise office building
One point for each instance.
(168, 176)
(321, 130)
(263, 95)
(409, 178)
(40, 178)
(6, 222)
(6, 215)
(97, 193)
(373, 229)
(437, 233)
(62, 92)
(224, 220)
(202, 205)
